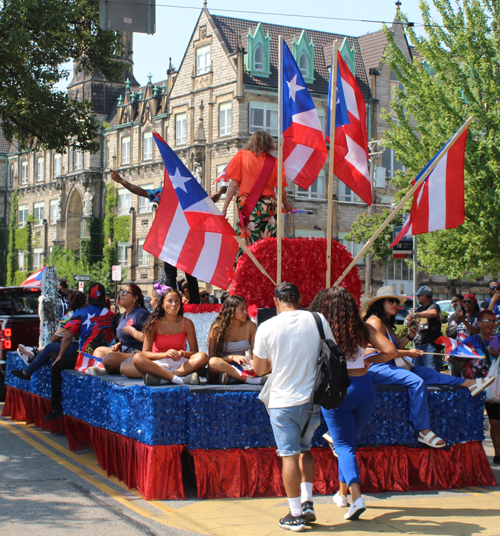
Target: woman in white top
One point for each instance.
(346, 422)
(231, 336)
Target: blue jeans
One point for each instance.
(287, 424)
(427, 360)
(44, 356)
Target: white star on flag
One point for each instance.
(293, 87)
(179, 181)
(88, 321)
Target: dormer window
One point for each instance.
(258, 59)
(303, 52)
(304, 65)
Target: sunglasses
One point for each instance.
(488, 320)
(494, 288)
(392, 301)
(467, 301)
(125, 292)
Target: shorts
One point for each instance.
(493, 411)
(169, 364)
(287, 424)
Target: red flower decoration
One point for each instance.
(303, 263)
(214, 308)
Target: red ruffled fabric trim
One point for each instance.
(213, 308)
(237, 473)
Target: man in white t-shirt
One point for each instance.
(288, 345)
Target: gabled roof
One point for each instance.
(372, 48)
(231, 28)
(4, 144)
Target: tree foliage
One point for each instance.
(457, 75)
(36, 38)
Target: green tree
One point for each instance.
(36, 38)
(455, 74)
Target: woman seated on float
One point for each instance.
(231, 337)
(381, 315)
(164, 358)
(128, 332)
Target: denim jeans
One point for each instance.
(428, 360)
(287, 424)
(44, 356)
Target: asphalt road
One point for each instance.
(48, 490)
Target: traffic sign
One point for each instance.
(402, 255)
(116, 273)
(81, 286)
(81, 277)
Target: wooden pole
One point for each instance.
(329, 221)
(403, 202)
(279, 217)
(244, 247)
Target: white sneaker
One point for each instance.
(356, 509)
(340, 500)
(96, 371)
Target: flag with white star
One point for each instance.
(189, 231)
(304, 149)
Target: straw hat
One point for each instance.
(386, 292)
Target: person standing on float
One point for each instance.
(253, 172)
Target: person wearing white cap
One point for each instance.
(381, 315)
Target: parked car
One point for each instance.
(19, 323)
(404, 309)
(445, 306)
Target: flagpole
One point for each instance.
(403, 201)
(329, 221)
(279, 218)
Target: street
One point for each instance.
(47, 489)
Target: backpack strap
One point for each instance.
(319, 324)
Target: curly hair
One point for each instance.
(377, 309)
(316, 306)
(159, 312)
(260, 142)
(221, 327)
(341, 312)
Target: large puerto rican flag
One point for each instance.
(189, 230)
(351, 137)
(85, 361)
(304, 148)
(439, 202)
(35, 279)
(457, 349)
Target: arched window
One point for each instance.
(304, 64)
(258, 59)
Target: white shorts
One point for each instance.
(169, 364)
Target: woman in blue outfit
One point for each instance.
(346, 422)
(381, 314)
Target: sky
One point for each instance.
(174, 25)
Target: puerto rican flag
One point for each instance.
(351, 137)
(457, 349)
(189, 231)
(85, 361)
(35, 279)
(439, 202)
(221, 177)
(304, 148)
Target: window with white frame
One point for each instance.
(142, 255)
(38, 209)
(322, 119)
(398, 271)
(122, 253)
(57, 165)
(53, 211)
(124, 202)
(316, 190)
(263, 116)
(11, 175)
(125, 145)
(24, 172)
(310, 233)
(202, 60)
(147, 146)
(258, 59)
(40, 168)
(22, 215)
(37, 258)
(304, 64)
(225, 118)
(352, 247)
(77, 159)
(145, 204)
(180, 128)
(390, 163)
(21, 257)
(347, 195)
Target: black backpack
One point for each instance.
(331, 382)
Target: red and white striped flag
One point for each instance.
(85, 361)
(439, 202)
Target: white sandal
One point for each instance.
(433, 443)
(480, 385)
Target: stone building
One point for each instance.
(225, 88)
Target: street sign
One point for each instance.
(116, 273)
(81, 286)
(404, 248)
(81, 277)
(402, 255)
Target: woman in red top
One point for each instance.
(164, 358)
(243, 172)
